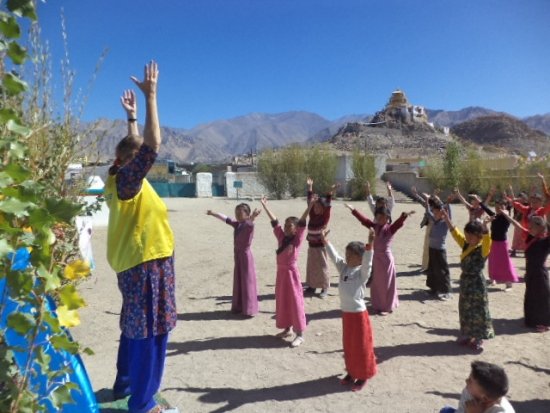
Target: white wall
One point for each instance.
(203, 181)
(252, 188)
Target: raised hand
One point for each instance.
(349, 206)
(255, 213)
(150, 78)
(488, 219)
(371, 236)
(128, 101)
(445, 216)
(324, 235)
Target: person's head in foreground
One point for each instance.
(127, 149)
(487, 384)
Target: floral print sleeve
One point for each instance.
(130, 176)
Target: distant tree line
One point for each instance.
(465, 168)
(284, 172)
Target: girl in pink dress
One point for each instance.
(383, 287)
(245, 291)
(289, 299)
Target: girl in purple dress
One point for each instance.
(383, 287)
(245, 291)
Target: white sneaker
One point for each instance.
(298, 340)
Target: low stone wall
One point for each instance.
(403, 181)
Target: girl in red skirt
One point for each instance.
(356, 328)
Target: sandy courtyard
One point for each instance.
(220, 362)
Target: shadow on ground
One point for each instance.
(235, 398)
(429, 349)
(225, 343)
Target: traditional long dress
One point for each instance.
(473, 304)
(357, 337)
(289, 298)
(245, 293)
(383, 287)
(148, 289)
(426, 246)
(518, 240)
(536, 304)
(501, 267)
(317, 275)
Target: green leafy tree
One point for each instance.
(285, 171)
(321, 166)
(271, 173)
(472, 173)
(451, 165)
(294, 161)
(364, 170)
(434, 172)
(36, 218)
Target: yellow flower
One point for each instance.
(66, 317)
(77, 269)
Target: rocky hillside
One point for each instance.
(454, 117)
(539, 122)
(403, 142)
(221, 140)
(504, 132)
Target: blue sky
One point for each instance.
(220, 59)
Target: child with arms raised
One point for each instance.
(536, 304)
(317, 275)
(289, 298)
(245, 291)
(383, 287)
(501, 268)
(356, 327)
(473, 304)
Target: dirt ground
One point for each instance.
(220, 362)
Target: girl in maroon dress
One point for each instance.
(245, 291)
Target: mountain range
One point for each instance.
(221, 140)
